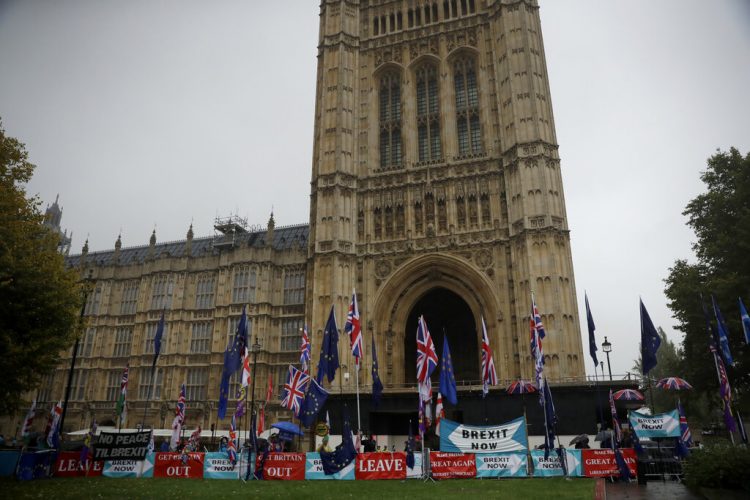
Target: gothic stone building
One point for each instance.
(436, 190)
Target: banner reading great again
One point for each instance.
(459, 438)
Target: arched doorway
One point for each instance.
(445, 313)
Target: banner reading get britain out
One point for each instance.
(459, 438)
(660, 425)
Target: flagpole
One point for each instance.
(359, 422)
(723, 402)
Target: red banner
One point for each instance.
(68, 464)
(452, 465)
(599, 463)
(381, 465)
(172, 465)
(283, 466)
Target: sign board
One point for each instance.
(173, 465)
(68, 464)
(459, 438)
(509, 464)
(601, 463)
(655, 426)
(381, 465)
(130, 468)
(283, 466)
(452, 465)
(550, 467)
(314, 469)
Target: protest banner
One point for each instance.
(509, 464)
(68, 464)
(173, 465)
(381, 465)
(122, 445)
(550, 467)
(35, 465)
(601, 463)
(283, 466)
(452, 465)
(655, 426)
(130, 468)
(314, 469)
(459, 438)
(8, 462)
(216, 465)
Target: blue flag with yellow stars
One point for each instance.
(329, 351)
(335, 461)
(447, 380)
(314, 400)
(377, 385)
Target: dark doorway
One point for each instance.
(444, 312)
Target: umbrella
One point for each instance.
(603, 434)
(674, 384)
(521, 387)
(581, 438)
(627, 395)
(288, 427)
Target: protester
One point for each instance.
(164, 446)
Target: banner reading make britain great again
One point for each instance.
(459, 438)
(659, 426)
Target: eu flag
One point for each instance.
(314, 400)
(650, 341)
(447, 379)
(723, 334)
(550, 419)
(237, 349)
(157, 338)
(410, 448)
(223, 393)
(592, 327)
(329, 353)
(377, 385)
(344, 454)
(745, 320)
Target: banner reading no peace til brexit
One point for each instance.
(459, 438)
(655, 426)
(122, 445)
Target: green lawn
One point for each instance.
(469, 489)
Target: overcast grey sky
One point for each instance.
(146, 113)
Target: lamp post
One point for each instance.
(255, 348)
(607, 348)
(86, 281)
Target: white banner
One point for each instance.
(459, 438)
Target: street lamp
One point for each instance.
(607, 348)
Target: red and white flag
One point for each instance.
(439, 413)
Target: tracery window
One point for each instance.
(467, 108)
(390, 121)
(428, 114)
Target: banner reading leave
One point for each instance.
(452, 465)
(69, 465)
(659, 426)
(130, 468)
(550, 467)
(459, 438)
(510, 464)
(283, 466)
(173, 465)
(601, 463)
(381, 465)
(314, 469)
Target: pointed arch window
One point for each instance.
(390, 121)
(428, 114)
(467, 108)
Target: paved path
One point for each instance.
(653, 490)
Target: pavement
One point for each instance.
(653, 490)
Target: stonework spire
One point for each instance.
(189, 241)
(152, 245)
(118, 247)
(269, 230)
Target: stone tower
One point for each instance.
(436, 186)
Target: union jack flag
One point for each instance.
(232, 447)
(181, 407)
(687, 436)
(304, 357)
(426, 356)
(724, 389)
(294, 390)
(537, 334)
(489, 375)
(354, 328)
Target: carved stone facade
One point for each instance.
(436, 166)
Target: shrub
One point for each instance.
(718, 467)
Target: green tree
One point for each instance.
(39, 297)
(720, 218)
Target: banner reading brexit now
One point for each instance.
(659, 426)
(459, 438)
(510, 464)
(130, 468)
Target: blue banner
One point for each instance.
(550, 467)
(655, 426)
(8, 462)
(510, 464)
(130, 468)
(216, 465)
(314, 469)
(459, 438)
(416, 471)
